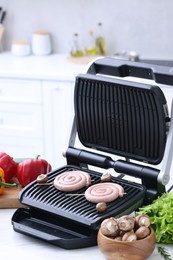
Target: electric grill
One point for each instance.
(123, 126)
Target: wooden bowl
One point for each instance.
(123, 250)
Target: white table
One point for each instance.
(16, 245)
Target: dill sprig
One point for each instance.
(164, 252)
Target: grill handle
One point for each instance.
(148, 175)
(122, 68)
(135, 170)
(78, 156)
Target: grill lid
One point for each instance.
(121, 117)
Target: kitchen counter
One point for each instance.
(16, 245)
(50, 67)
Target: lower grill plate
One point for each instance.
(70, 221)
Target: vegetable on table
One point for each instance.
(8, 165)
(142, 220)
(126, 223)
(109, 227)
(129, 236)
(164, 252)
(3, 184)
(160, 212)
(125, 228)
(142, 232)
(29, 169)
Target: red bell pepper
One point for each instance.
(8, 165)
(30, 169)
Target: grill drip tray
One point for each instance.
(70, 221)
(53, 229)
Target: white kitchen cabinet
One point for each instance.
(58, 118)
(36, 118)
(21, 117)
(36, 105)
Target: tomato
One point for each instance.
(30, 169)
(8, 165)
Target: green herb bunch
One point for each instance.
(160, 212)
(164, 252)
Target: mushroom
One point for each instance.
(142, 232)
(126, 223)
(142, 220)
(118, 238)
(106, 177)
(101, 206)
(42, 178)
(129, 236)
(109, 227)
(125, 228)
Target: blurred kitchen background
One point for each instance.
(145, 27)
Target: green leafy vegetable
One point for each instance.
(164, 252)
(160, 212)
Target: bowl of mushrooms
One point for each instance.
(126, 237)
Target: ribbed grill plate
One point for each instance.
(115, 117)
(77, 208)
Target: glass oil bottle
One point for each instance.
(76, 50)
(100, 41)
(91, 44)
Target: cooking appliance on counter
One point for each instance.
(113, 116)
(134, 56)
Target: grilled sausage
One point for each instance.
(105, 192)
(120, 189)
(72, 180)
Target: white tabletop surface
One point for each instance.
(16, 245)
(50, 67)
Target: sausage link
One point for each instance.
(103, 192)
(72, 180)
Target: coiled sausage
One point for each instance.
(104, 192)
(72, 180)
